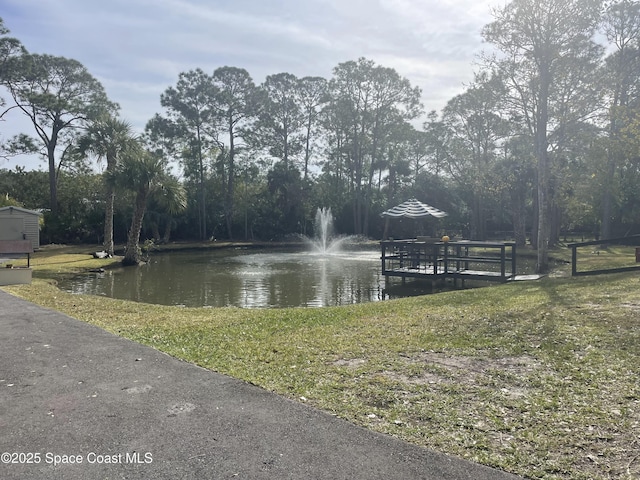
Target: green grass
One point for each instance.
(535, 378)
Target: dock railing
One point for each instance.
(462, 259)
(633, 240)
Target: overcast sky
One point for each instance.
(137, 48)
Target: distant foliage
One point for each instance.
(543, 141)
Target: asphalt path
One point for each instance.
(77, 402)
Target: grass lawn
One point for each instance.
(537, 378)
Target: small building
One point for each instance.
(20, 224)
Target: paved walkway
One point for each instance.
(81, 403)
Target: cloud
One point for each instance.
(137, 48)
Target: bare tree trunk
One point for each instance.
(155, 229)
(230, 184)
(307, 148)
(607, 202)
(478, 217)
(518, 216)
(542, 155)
(53, 179)
(542, 242)
(555, 221)
(203, 197)
(132, 254)
(167, 230)
(108, 221)
(534, 225)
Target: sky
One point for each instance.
(137, 48)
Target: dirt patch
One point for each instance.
(349, 363)
(518, 364)
(423, 379)
(631, 306)
(439, 368)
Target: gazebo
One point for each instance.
(436, 259)
(411, 209)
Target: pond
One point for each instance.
(242, 278)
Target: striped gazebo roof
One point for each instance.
(413, 209)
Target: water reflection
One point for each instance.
(243, 279)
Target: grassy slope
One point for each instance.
(537, 378)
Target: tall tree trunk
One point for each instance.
(107, 244)
(246, 224)
(203, 207)
(542, 155)
(285, 145)
(607, 209)
(534, 225)
(480, 221)
(155, 229)
(230, 184)
(53, 178)
(555, 221)
(357, 184)
(369, 196)
(519, 228)
(607, 194)
(367, 206)
(518, 218)
(307, 148)
(167, 230)
(542, 242)
(132, 255)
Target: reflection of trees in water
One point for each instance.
(242, 279)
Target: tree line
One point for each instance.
(544, 140)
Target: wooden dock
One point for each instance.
(429, 259)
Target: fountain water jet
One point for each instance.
(325, 241)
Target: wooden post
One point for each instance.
(446, 258)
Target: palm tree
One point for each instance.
(108, 138)
(144, 173)
(166, 201)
